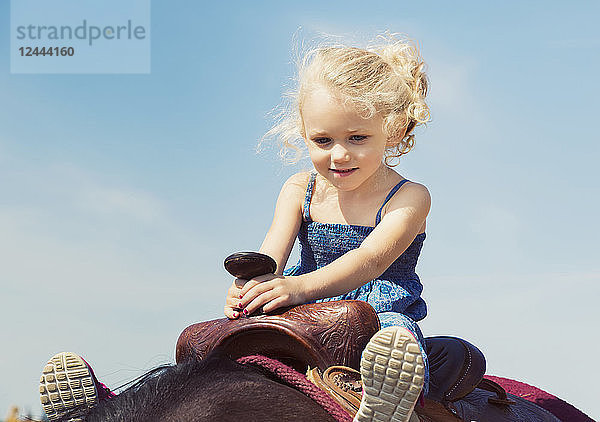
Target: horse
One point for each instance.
(324, 335)
(218, 388)
(253, 369)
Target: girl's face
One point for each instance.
(344, 147)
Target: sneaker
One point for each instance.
(67, 383)
(392, 373)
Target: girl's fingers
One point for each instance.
(277, 303)
(248, 286)
(258, 280)
(230, 313)
(233, 302)
(256, 290)
(233, 297)
(259, 301)
(234, 290)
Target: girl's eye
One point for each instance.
(321, 141)
(358, 138)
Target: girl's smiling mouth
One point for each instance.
(343, 172)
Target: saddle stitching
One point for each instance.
(346, 385)
(463, 375)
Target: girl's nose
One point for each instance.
(339, 153)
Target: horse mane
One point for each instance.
(214, 389)
(139, 385)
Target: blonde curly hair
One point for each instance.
(386, 78)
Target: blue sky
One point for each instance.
(120, 195)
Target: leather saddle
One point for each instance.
(322, 335)
(311, 335)
(325, 335)
(327, 338)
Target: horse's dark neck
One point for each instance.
(215, 389)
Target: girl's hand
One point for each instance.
(232, 301)
(271, 292)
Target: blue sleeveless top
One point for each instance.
(398, 289)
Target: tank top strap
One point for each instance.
(388, 197)
(309, 192)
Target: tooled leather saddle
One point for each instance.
(333, 334)
(319, 336)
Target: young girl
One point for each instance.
(360, 224)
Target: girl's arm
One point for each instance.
(407, 211)
(279, 240)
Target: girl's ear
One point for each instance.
(391, 142)
(396, 136)
(395, 140)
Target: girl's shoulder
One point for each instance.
(294, 188)
(416, 188)
(413, 198)
(411, 193)
(300, 178)
(298, 182)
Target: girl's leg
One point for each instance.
(68, 384)
(389, 319)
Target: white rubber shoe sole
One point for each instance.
(392, 372)
(66, 383)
